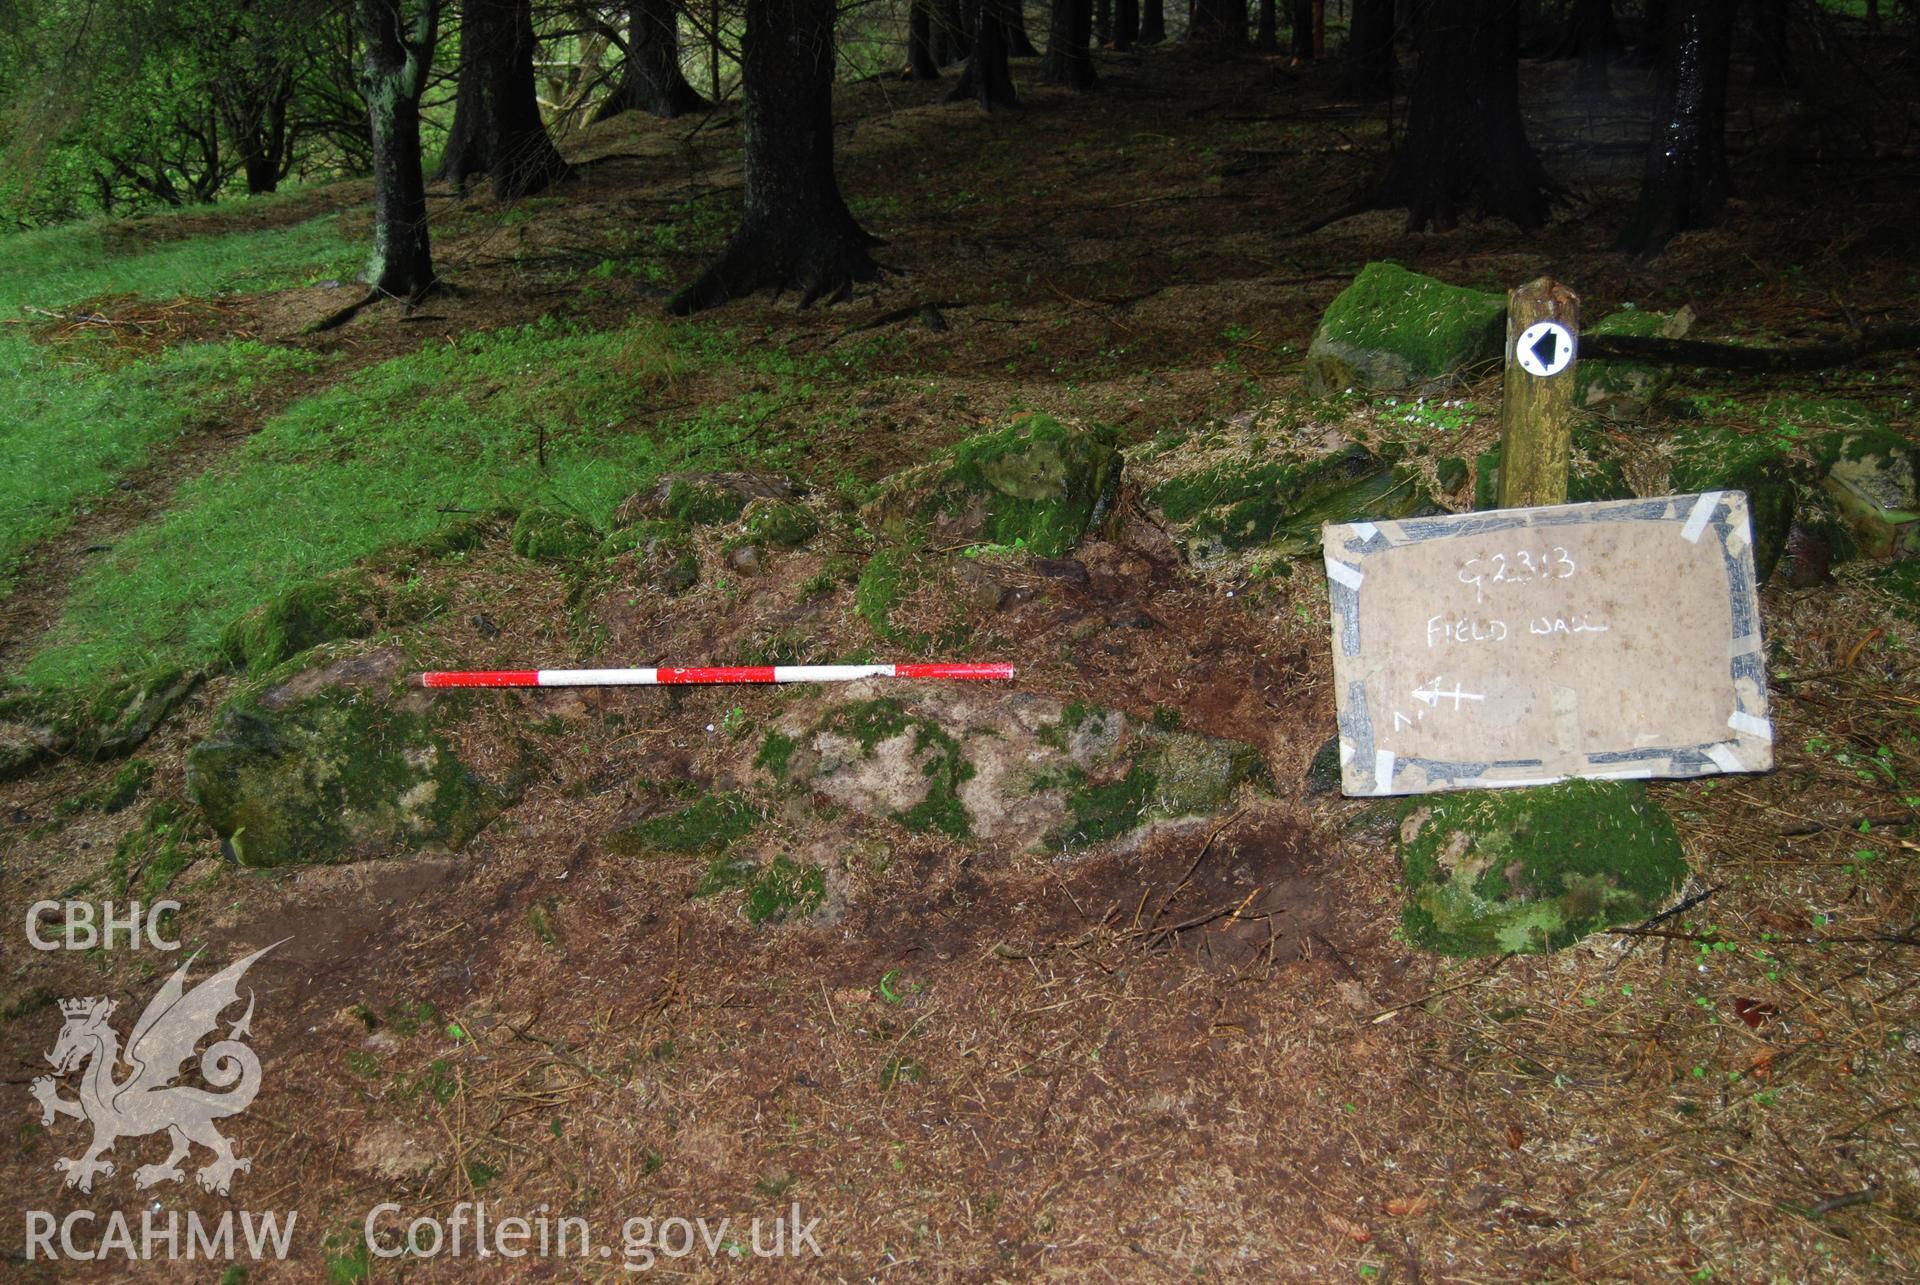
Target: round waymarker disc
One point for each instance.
(1544, 348)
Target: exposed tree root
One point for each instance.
(1697, 352)
(825, 265)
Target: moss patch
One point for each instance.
(1532, 870)
(784, 889)
(1706, 458)
(775, 753)
(323, 610)
(779, 524)
(713, 822)
(548, 535)
(888, 576)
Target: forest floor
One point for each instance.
(981, 1063)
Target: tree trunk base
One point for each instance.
(681, 99)
(822, 264)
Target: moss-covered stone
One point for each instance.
(703, 504)
(1169, 776)
(1280, 506)
(1037, 484)
(932, 751)
(1873, 478)
(36, 726)
(1706, 458)
(1394, 329)
(1012, 768)
(1533, 870)
(1627, 387)
(337, 764)
(548, 535)
(780, 524)
(714, 822)
(324, 610)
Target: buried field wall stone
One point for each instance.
(336, 765)
(1037, 484)
(1393, 329)
(1013, 769)
(1532, 870)
(1280, 507)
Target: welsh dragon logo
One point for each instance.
(147, 1100)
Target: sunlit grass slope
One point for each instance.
(69, 428)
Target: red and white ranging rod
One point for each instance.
(665, 676)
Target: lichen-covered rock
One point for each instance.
(1280, 506)
(1628, 387)
(1394, 329)
(1872, 479)
(548, 535)
(1037, 485)
(703, 499)
(1013, 768)
(338, 763)
(1711, 459)
(1532, 870)
(324, 610)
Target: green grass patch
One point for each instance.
(370, 463)
(67, 430)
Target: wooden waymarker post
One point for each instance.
(1536, 414)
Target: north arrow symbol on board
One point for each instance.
(1431, 695)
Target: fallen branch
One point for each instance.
(1697, 352)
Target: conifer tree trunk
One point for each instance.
(795, 231)
(651, 81)
(920, 60)
(987, 77)
(497, 128)
(1685, 185)
(1267, 35)
(1300, 20)
(1466, 149)
(1370, 61)
(396, 49)
(1019, 44)
(1219, 22)
(1126, 24)
(1153, 22)
(1068, 62)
